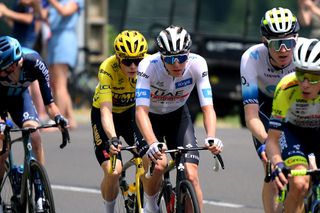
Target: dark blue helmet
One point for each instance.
(10, 51)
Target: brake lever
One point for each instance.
(218, 163)
(65, 137)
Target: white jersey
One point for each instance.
(163, 93)
(258, 75)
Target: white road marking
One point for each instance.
(96, 191)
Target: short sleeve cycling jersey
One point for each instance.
(258, 75)
(289, 106)
(114, 86)
(163, 93)
(33, 68)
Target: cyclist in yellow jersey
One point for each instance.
(112, 113)
(296, 113)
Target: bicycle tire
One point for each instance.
(6, 192)
(166, 200)
(48, 202)
(185, 193)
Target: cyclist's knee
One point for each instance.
(192, 173)
(30, 123)
(299, 187)
(106, 166)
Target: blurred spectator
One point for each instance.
(25, 28)
(309, 15)
(63, 50)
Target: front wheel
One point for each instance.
(39, 193)
(186, 198)
(8, 200)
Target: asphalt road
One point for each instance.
(75, 174)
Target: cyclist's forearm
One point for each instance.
(273, 147)
(144, 124)
(107, 120)
(52, 110)
(253, 122)
(209, 120)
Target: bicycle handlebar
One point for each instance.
(113, 158)
(180, 149)
(9, 128)
(292, 172)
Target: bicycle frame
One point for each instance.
(28, 157)
(136, 161)
(312, 200)
(23, 197)
(178, 163)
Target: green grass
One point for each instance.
(229, 121)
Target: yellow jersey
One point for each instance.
(289, 106)
(114, 86)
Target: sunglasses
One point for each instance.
(312, 79)
(128, 61)
(276, 44)
(8, 68)
(171, 59)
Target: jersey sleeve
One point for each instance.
(143, 91)
(203, 83)
(280, 107)
(249, 82)
(105, 83)
(41, 72)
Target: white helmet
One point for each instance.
(173, 40)
(306, 54)
(279, 22)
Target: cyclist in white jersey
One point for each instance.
(296, 113)
(165, 81)
(262, 67)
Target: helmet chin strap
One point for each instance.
(275, 66)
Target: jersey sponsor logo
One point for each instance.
(97, 138)
(142, 93)
(118, 88)
(244, 81)
(255, 55)
(207, 93)
(204, 74)
(123, 99)
(184, 83)
(142, 74)
(154, 61)
(15, 84)
(43, 68)
(169, 96)
(104, 87)
(106, 73)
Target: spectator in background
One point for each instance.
(25, 28)
(63, 50)
(309, 15)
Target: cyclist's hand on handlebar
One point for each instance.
(280, 175)
(155, 151)
(114, 146)
(262, 153)
(215, 145)
(61, 121)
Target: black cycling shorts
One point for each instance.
(125, 127)
(176, 129)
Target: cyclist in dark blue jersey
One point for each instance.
(19, 67)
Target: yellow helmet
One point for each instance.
(130, 43)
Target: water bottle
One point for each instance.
(17, 176)
(131, 198)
